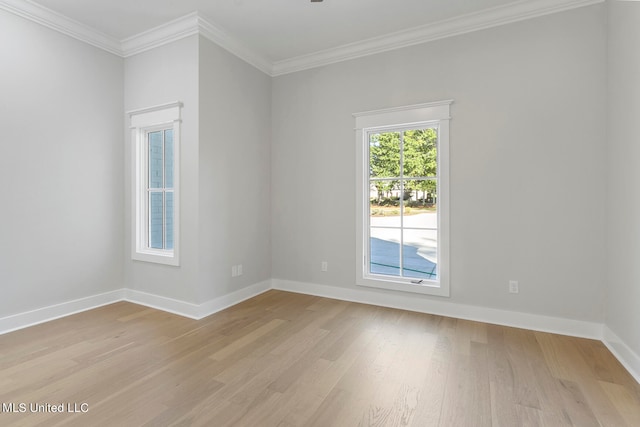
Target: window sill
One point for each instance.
(157, 258)
(427, 288)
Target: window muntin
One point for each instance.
(402, 203)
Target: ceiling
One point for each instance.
(275, 29)
(278, 36)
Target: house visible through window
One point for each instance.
(155, 138)
(160, 189)
(403, 198)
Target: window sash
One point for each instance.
(163, 166)
(402, 179)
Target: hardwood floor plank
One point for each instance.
(576, 404)
(459, 408)
(235, 345)
(625, 402)
(332, 405)
(431, 398)
(501, 380)
(528, 417)
(303, 397)
(524, 390)
(402, 390)
(283, 359)
(546, 385)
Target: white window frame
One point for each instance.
(143, 121)
(413, 116)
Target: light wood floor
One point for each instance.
(283, 359)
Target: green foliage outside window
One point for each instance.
(419, 160)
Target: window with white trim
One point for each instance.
(403, 198)
(155, 136)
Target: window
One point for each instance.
(403, 198)
(155, 137)
(159, 188)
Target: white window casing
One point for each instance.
(142, 122)
(430, 115)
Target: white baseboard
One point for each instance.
(196, 311)
(361, 295)
(629, 359)
(409, 302)
(181, 308)
(226, 301)
(52, 312)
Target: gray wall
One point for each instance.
(165, 74)
(61, 168)
(268, 165)
(623, 221)
(225, 168)
(527, 161)
(234, 172)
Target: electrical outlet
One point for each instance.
(324, 266)
(239, 269)
(234, 271)
(513, 287)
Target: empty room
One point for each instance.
(320, 213)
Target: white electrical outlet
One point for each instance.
(234, 271)
(324, 266)
(239, 269)
(513, 287)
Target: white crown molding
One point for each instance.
(488, 18)
(58, 22)
(179, 28)
(166, 33)
(188, 25)
(195, 23)
(228, 42)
